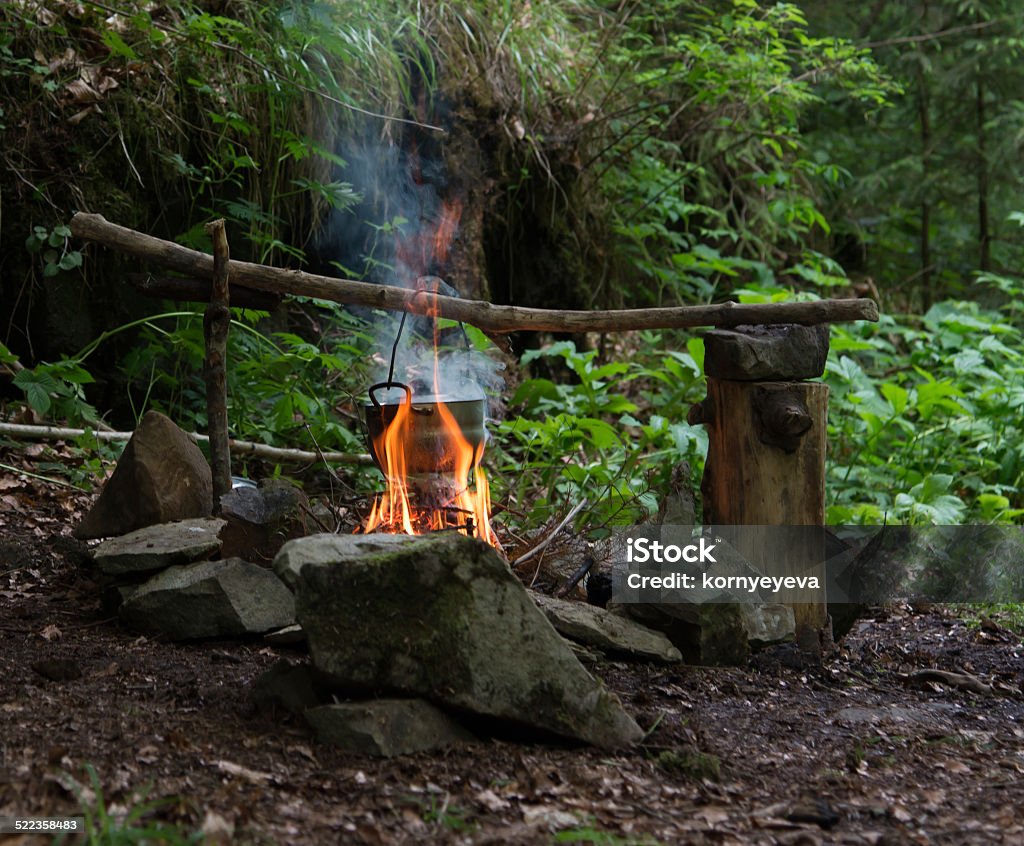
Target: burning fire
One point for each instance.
(413, 504)
(416, 502)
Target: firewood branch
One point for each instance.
(486, 316)
(270, 453)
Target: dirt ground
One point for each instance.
(846, 753)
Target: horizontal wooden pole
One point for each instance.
(188, 289)
(271, 453)
(486, 316)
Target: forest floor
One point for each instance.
(844, 753)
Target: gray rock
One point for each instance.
(210, 599)
(608, 632)
(765, 353)
(327, 549)
(706, 634)
(443, 617)
(159, 547)
(161, 476)
(260, 520)
(385, 728)
(715, 633)
(768, 624)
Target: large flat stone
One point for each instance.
(327, 549)
(385, 728)
(210, 599)
(766, 353)
(442, 617)
(159, 547)
(608, 632)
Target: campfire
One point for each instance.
(426, 432)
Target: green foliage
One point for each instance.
(54, 249)
(709, 180)
(688, 150)
(56, 390)
(448, 816)
(1008, 615)
(613, 434)
(591, 836)
(928, 199)
(282, 388)
(925, 418)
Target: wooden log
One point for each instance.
(216, 325)
(766, 468)
(188, 289)
(270, 453)
(486, 316)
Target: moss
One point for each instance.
(691, 763)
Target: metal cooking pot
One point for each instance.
(431, 447)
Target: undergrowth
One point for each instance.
(136, 822)
(924, 420)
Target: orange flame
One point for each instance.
(445, 500)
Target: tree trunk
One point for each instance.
(984, 237)
(926, 222)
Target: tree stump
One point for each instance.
(766, 453)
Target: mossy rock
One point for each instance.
(444, 618)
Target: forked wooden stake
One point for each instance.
(216, 322)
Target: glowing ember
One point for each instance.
(427, 459)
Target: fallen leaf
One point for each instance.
(712, 815)
(491, 801)
(217, 829)
(148, 755)
(549, 816)
(51, 633)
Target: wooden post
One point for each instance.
(766, 451)
(216, 322)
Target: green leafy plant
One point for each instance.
(56, 390)
(135, 825)
(710, 180)
(612, 434)
(599, 837)
(925, 418)
(448, 816)
(54, 249)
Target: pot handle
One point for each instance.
(389, 384)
